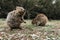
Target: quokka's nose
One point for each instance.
(24, 10)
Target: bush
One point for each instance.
(32, 7)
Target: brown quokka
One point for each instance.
(40, 20)
(15, 18)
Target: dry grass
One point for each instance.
(49, 32)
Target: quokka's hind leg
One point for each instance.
(11, 28)
(41, 24)
(20, 27)
(38, 23)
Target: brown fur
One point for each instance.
(40, 20)
(15, 18)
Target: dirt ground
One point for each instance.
(51, 31)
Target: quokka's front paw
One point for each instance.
(24, 22)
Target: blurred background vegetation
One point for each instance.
(51, 8)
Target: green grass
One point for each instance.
(28, 24)
(50, 24)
